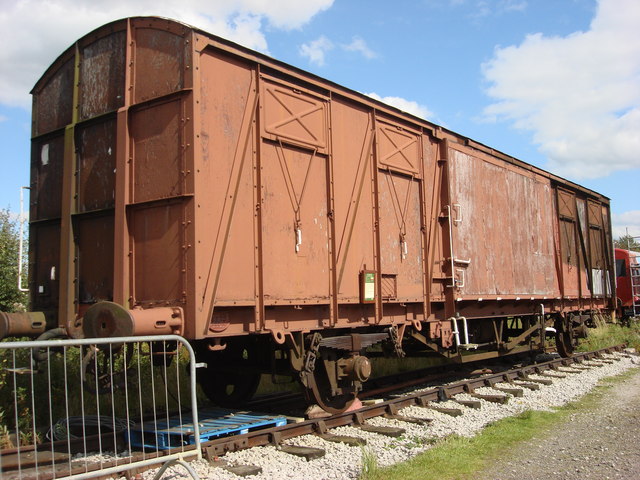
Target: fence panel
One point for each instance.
(92, 407)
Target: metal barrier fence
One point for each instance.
(95, 407)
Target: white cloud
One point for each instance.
(33, 33)
(626, 222)
(316, 49)
(360, 46)
(479, 9)
(3, 118)
(579, 94)
(405, 105)
(513, 5)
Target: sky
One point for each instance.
(555, 83)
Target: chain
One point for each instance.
(395, 340)
(312, 353)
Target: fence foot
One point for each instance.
(170, 463)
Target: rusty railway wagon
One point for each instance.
(285, 224)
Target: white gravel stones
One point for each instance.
(344, 462)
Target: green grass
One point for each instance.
(460, 458)
(611, 334)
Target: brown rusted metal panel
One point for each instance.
(53, 101)
(295, 225)
(398, 148)
(294, 203)
(226, 134)
(502, 227)
(94, 238)
(570, 259)
(566, 204)
(157, 149)
(398, 155)
(389, 286)
(401, 233)
(96, 163)
(293, 115)
(102, 69)
(159, 63)
(158, 254)
(46, 177)
(595, 213)
(44, 239)
(352, 147)
(569, 247)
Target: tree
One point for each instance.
(628, 243)
(11, 299)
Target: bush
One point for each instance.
(11, 299)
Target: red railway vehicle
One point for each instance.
(285, 224)
(627, 282)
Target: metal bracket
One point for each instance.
(453, 260)
(298, 239)
(458, 209)
(275, 438)
(443, 394)
(358, 418)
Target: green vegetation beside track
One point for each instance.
(612, 334)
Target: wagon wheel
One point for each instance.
(319, 391)
(106, 370)
(565, 339)
(227, 388)
(333, 395)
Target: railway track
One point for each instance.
(430, 395)
(390, 407)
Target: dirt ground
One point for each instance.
(598, 443)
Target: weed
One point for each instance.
(369, 464)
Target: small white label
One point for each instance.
(369, 291)
(44, 154)
(369, 287)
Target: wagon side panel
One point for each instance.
(352, 145)
(294, 151)
(158, 191)
(503, 228)
(400, 183)
(225, 183)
